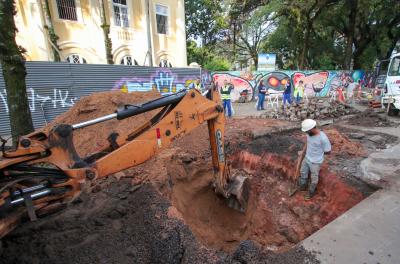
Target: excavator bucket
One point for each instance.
(239, 190)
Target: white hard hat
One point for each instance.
(308, 124)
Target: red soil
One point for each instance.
(273, 219)
(183, 174)
(94, 138)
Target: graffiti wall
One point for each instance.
(316, 83)
(53, 88)
(164, 80)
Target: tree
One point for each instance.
(204, 20)
(303, 15)
(370, 28)
(106, 31)
(218, 64)
(253, 32)
(13, 66)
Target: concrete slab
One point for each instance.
(367, 233)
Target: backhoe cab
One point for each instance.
(45, 170)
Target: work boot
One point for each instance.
(302, 186)
(311, 192)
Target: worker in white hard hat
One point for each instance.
(317, 146)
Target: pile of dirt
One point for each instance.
(93, 139)
(125, 224)
(343, 146)
(369, 118)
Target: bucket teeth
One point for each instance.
(239, 189)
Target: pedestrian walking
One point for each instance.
(287, 94)
(299, 92)
(262, 90)
(359, 89)
(226, 97)
(340, 95)
(350, 91)
(317, 146)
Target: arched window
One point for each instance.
(128, 60)
(165, 64)
(75, 58)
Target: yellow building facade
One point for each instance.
(78, 25)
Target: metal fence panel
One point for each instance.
(53, 88)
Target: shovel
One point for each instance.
(294, 187)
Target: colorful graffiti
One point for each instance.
(316, 83)
(164, 80)
(238, 83)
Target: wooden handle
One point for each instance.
(299, 161)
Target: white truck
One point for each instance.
(391, 91)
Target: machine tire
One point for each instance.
(393, 111)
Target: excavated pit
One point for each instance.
(273, 219)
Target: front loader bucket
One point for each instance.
(239, 190)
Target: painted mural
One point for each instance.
(316, 83)
(163, 80)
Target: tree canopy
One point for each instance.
(305, 34)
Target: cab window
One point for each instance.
(394, 69)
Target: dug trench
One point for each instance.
(165, 210)
(273, 219)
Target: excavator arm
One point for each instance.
(45, 170)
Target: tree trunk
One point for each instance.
(350, 34)
(304, 50)
(13, 64)
(106, 31)
(255, 58)
(234, 45)
(357, 59)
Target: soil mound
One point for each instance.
(123, 224)
(342, 145)
(93, 139)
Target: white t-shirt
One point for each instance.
(350, 89)
(316, 147)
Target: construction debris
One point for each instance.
(315, 108)
(374, 104)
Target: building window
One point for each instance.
(67, 10)
(128, 60)
(120, 13)
(162, 19)
(165, 64)
(75, 58)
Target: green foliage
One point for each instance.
(204, 20)
(306, 34)
(218, 64)
(195, 53)
(253, 32)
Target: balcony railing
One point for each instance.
(122, 34)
